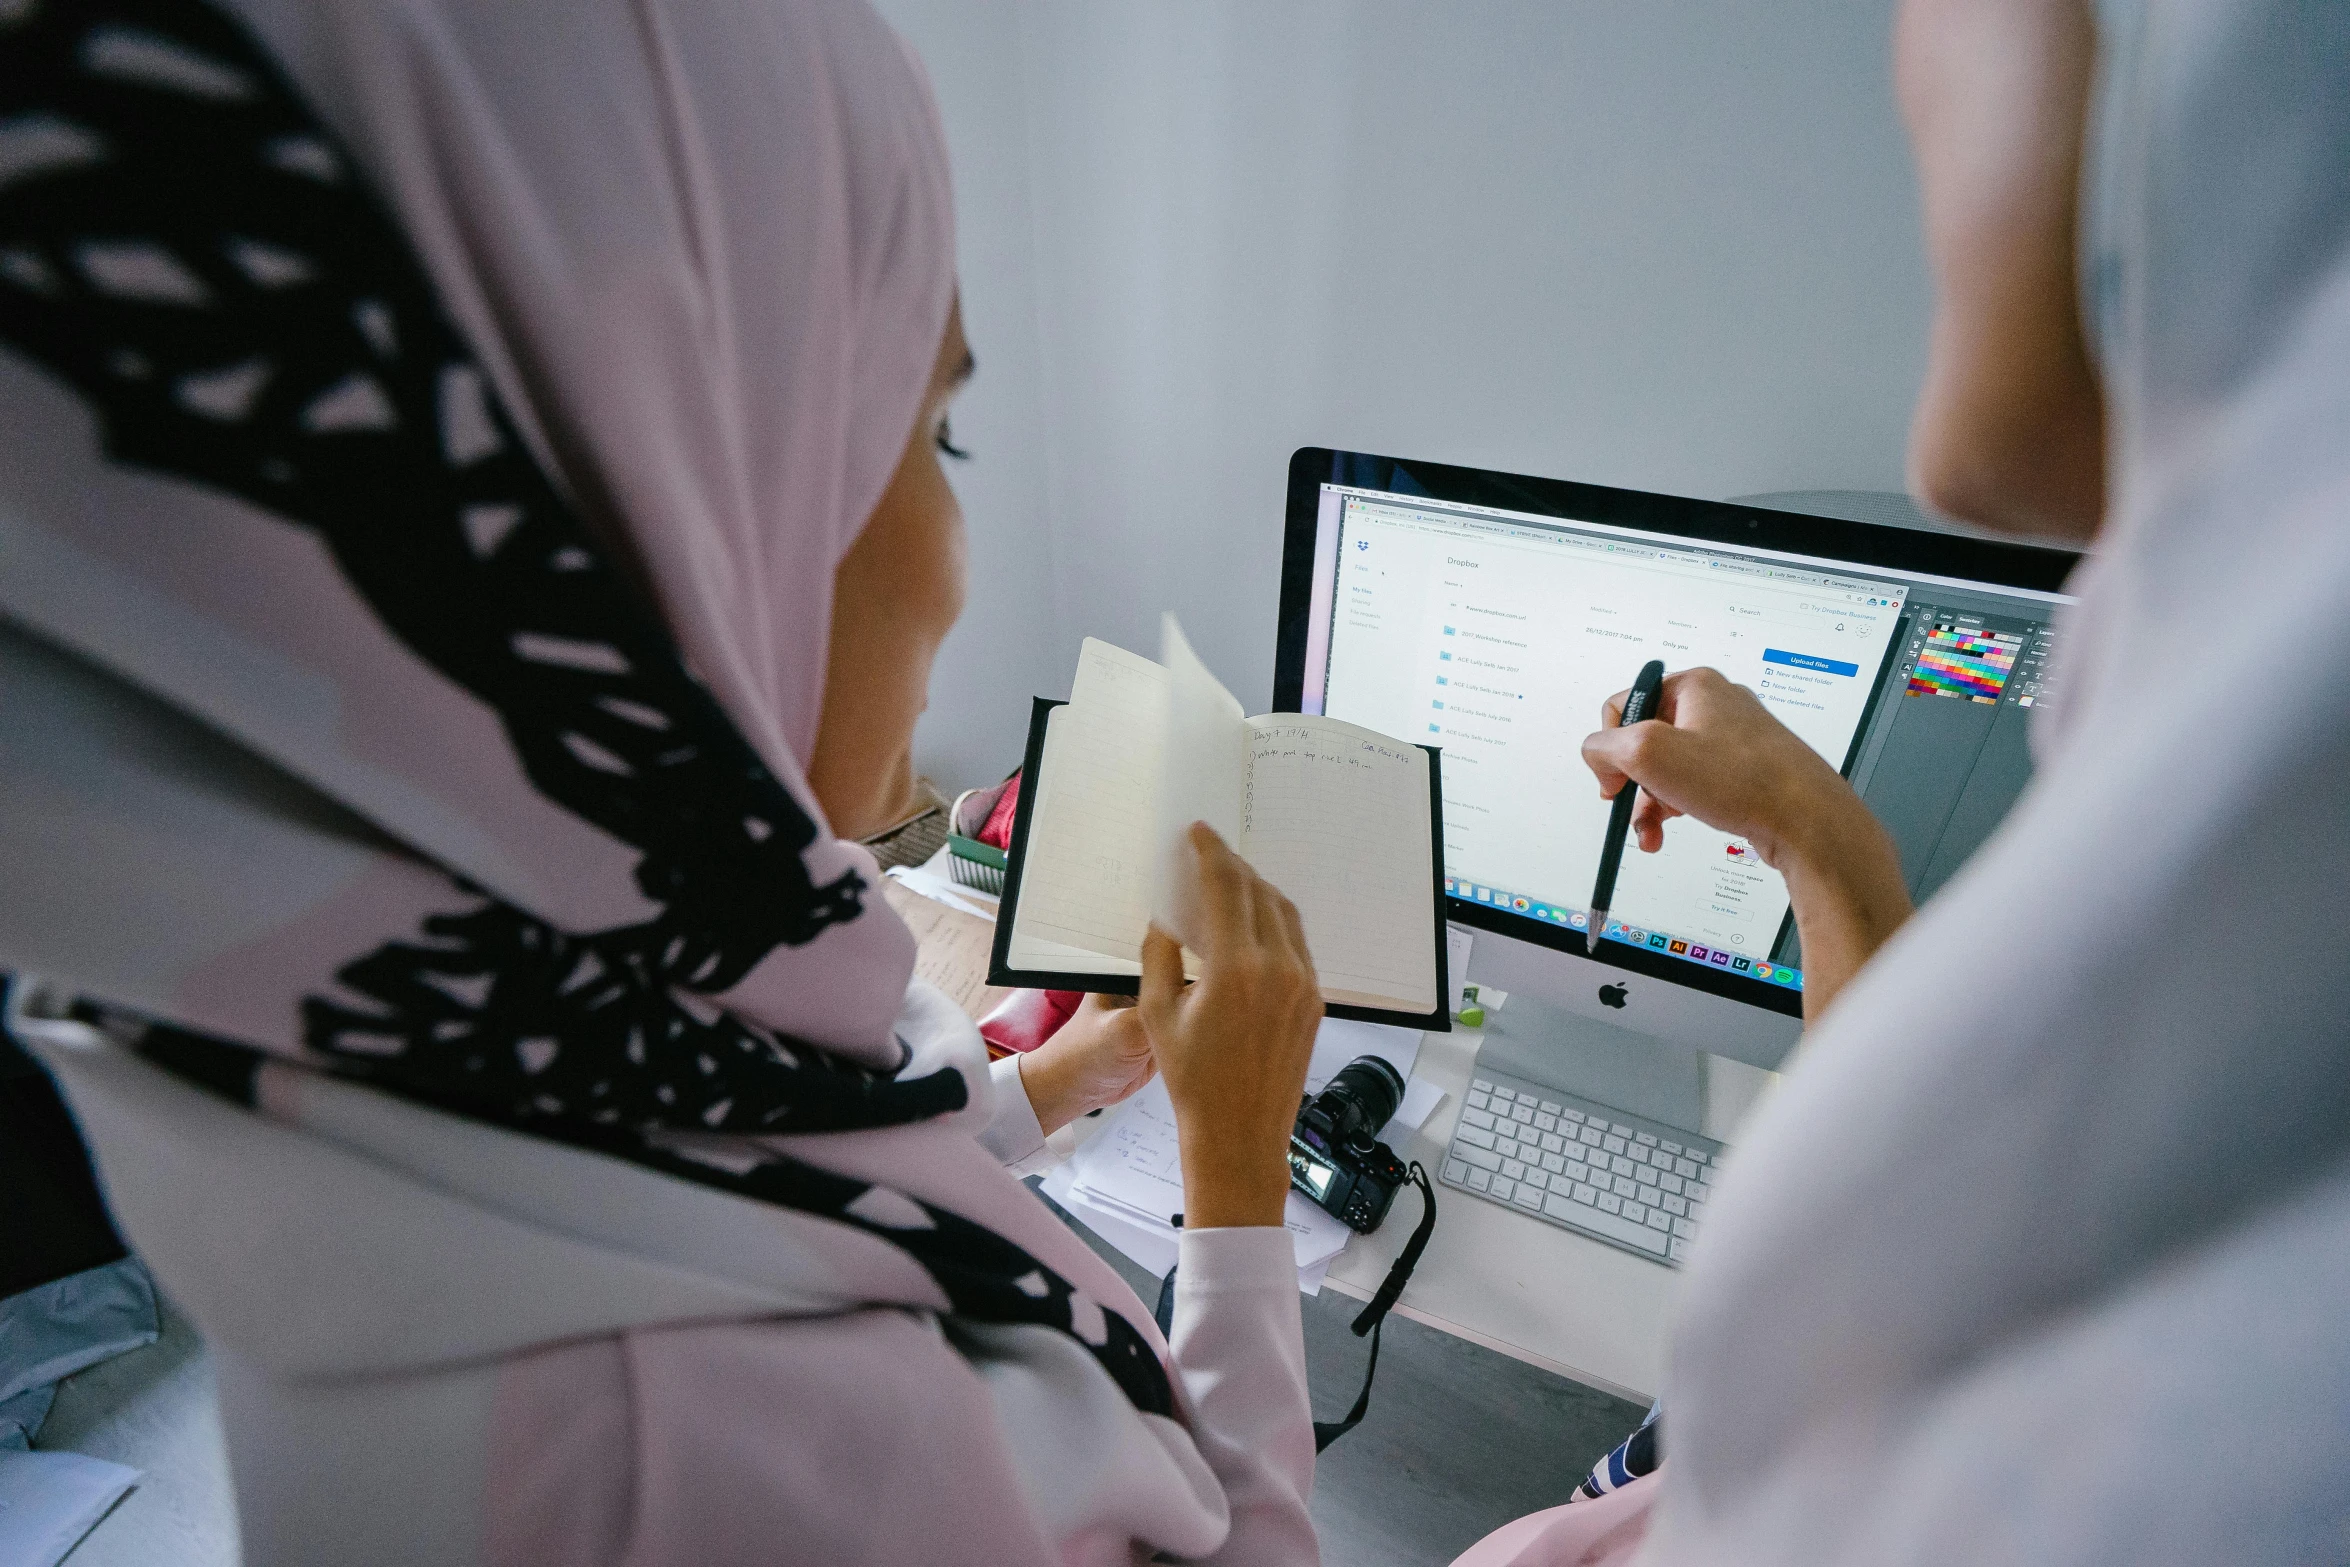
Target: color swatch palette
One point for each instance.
(1970, 664)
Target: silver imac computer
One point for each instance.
(1492, 615)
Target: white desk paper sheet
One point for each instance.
(1127, 1181)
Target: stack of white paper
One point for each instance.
(1126, 1183)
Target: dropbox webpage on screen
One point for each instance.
(1500, 640)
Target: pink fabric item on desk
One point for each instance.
(996, 831)
(1025, 1019)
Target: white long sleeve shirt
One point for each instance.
(1239, 1348)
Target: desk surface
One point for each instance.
(1511, 1282)
(1491, 1275)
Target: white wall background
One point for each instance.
(1669, 244)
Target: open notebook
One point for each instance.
(1345, 821)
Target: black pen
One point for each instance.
(1639, 705)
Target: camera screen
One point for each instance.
(1311, 1172)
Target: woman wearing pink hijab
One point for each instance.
(471, 548)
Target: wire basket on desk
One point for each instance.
(979, 866)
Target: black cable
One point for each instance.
(1165, 1315)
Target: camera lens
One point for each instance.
(1361, 1098)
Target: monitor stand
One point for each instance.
(1640, 1074)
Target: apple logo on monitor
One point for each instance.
(1611, 995)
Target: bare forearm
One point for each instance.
(1844, 879)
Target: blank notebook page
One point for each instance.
(1087, 881)
(1337, 818)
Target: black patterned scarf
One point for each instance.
(187, 248)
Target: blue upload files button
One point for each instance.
(1826, 666)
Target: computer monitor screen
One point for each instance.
(1492, 615)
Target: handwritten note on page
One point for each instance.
(1133, 1166)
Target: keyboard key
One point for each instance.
(1554, 1162)
(1648, 1192)
(1523, 1111)
(1683, 1227)
(1575, 1116)
(1579, 1172)
(1502, 1187)
(1512, 1169)
(1658, 1219)
(1508, 1148)
(1622, 1187)
(1700, 1192)
(1685, 1169)
(1482, 1158)
(1586, 1195)
(1535, 1179)
(1479, 1180)
(1620, 1165)
(1548, 1123)
(1675, 1205)
(1610, 1225)
(1551, 1107)
(1503, 1093)
(1479, 1082)
(1474, 1136)
(1634, 1211)
(1609, 1202)
(1644, 1140)
(1680, 1251)
(1671, 1183)
(1476, 1117)
(1478, 1100)
(1670, 1147)
(1455, 1171)
(1588, 1137)
(1700, 1156)
(1551, 1142)
(1613, 1144)
(1528, 1197)
(1637, 1154)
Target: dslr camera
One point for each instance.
(1335, 1156)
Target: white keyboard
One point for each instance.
(1583, 1166)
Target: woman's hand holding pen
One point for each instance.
(1233, 1047)
(1714, 752)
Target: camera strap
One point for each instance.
(1373, 1316)
(1371, 1319)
